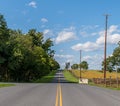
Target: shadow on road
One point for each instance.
(59, 78)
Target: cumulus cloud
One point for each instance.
(64, 56)
(44, 20)
(113, 37)
(88, 46)
(48, 34)
(85, 30)
(113, 29)
(66, 35)
(33, 4)
(87, 58)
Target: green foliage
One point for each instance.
(46, 79)
(84, 65)
(24, 57)
(74, 66)
(113, 61)
(67, 65)
(69, 77)
(4, 53)
(6, 85)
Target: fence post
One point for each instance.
(117, 82)
(110, 81)
(97, 80)
(101, 82)
(105, 82)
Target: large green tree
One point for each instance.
(24, 57)
(113, 61)
(84, 65)
(4, 54)
(74, 66)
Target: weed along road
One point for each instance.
(57, 93)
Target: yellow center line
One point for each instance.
(60, 96)
(58, 101)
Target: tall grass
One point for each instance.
(94, 74)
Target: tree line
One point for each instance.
(24, 57)
(83, 65)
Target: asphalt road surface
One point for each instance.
(58, 93)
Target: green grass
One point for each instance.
(46, 79)
(69, 77)
(6, 85)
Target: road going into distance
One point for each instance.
(57, 93)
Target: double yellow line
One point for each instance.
(58, 101)
(58, 96)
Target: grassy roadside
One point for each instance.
(6, 85)
(103, 86)
(69, 77)
(46, 79)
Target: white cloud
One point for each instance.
(64, 56)
(86, 58)
(85, 31)
(88, 46)
(48, 33)
(112, 29)
(44, 20)
(66, 34)
(113, 37)
(33, 4)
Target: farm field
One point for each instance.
(94, 74)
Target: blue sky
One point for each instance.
(73, 25)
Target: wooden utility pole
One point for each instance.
(80, 65)
(105, 45)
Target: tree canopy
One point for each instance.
(83, 65)
(113, 61)
(24, 57)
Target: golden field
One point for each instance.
(94, 74)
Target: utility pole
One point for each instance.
(80, 65)
(106, 22)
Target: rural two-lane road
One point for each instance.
(58, 93)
